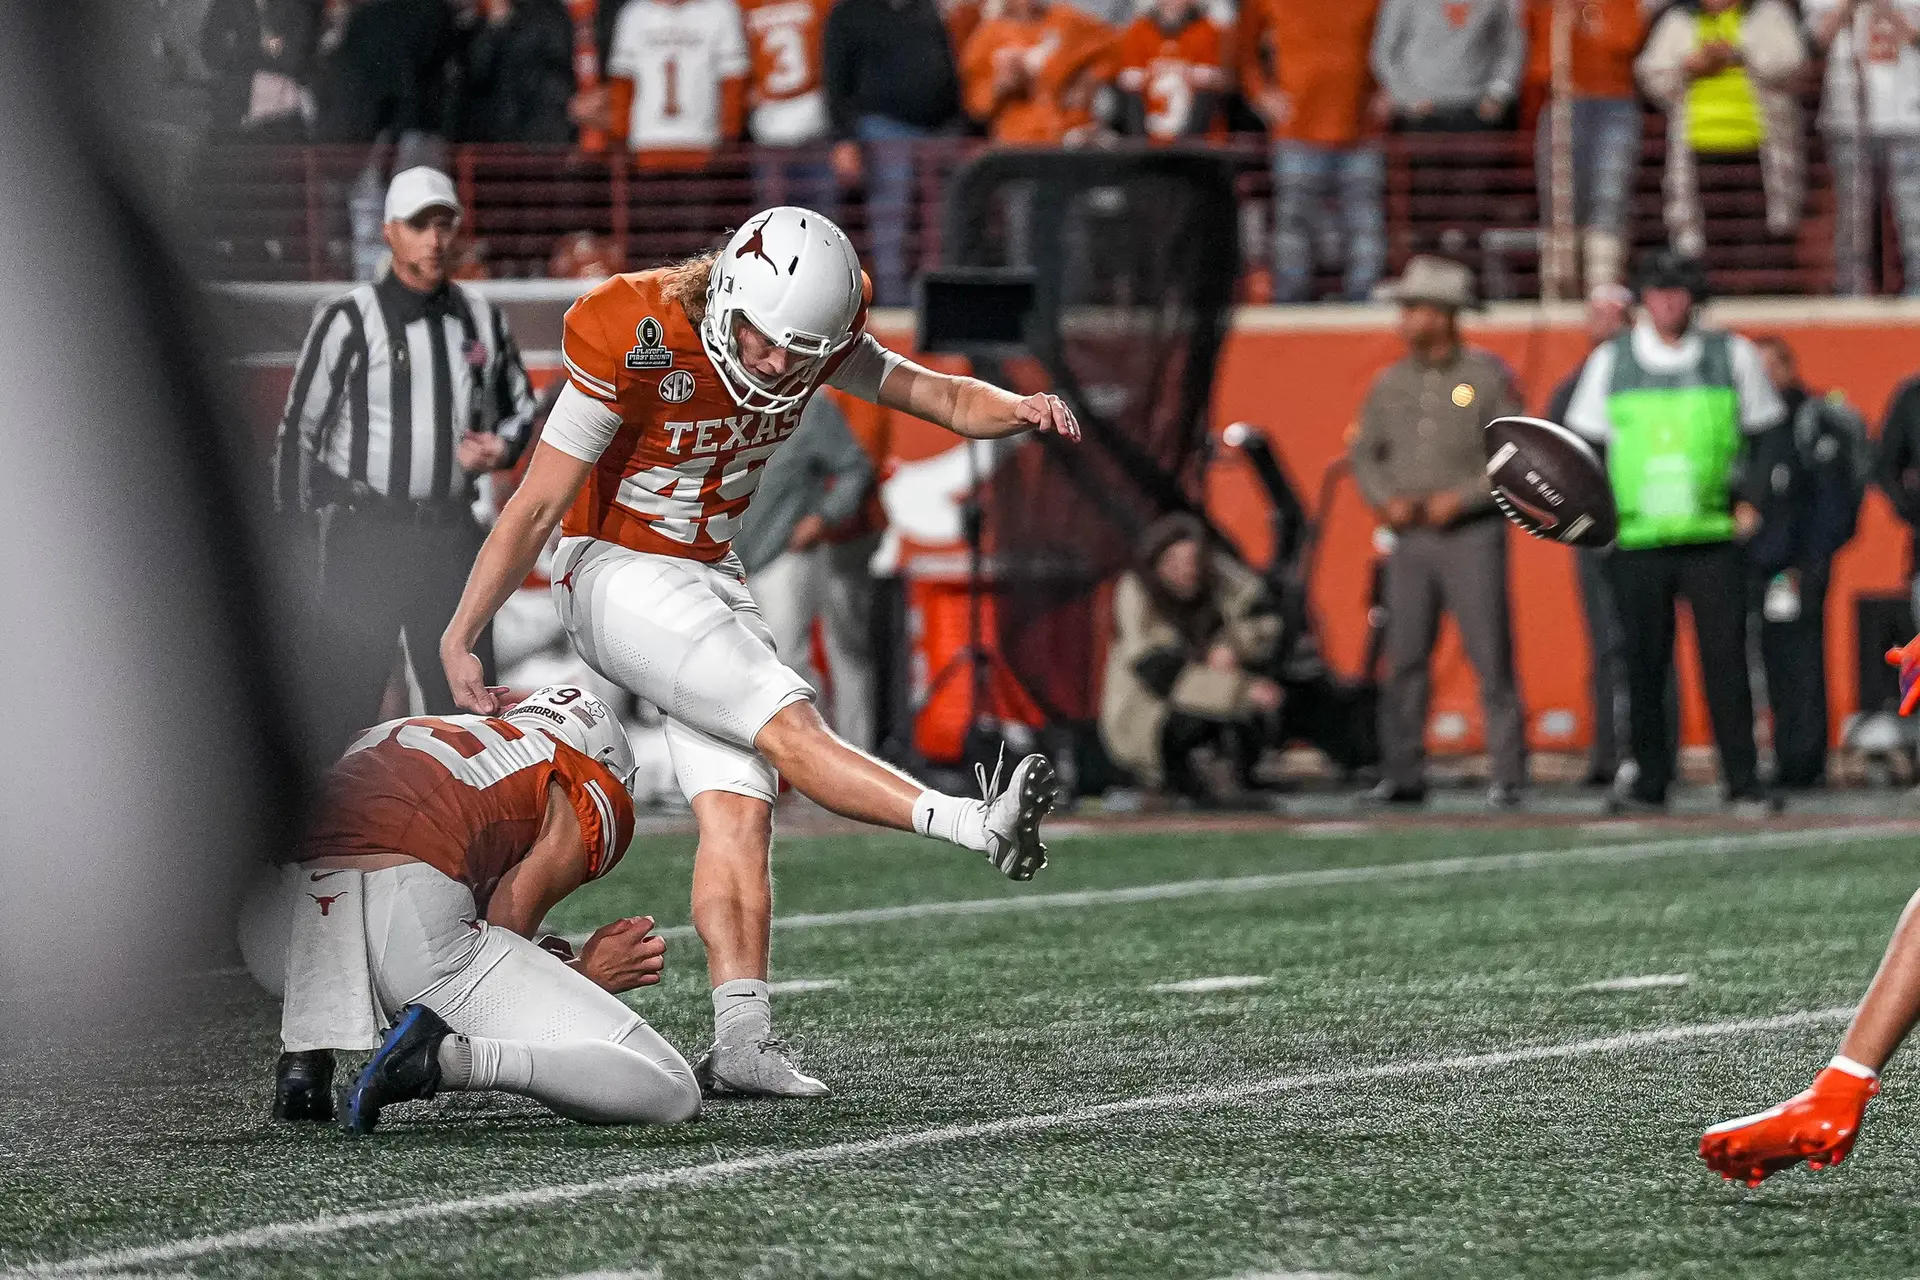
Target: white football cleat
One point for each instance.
(755, 1069)
(1014, 813)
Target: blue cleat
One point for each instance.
(405, 1068)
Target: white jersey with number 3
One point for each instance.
(677, 55)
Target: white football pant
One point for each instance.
(542, 1029)
(688, 638)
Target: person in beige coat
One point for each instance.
(1726, 72)
(1192, 627)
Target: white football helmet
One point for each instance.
(571, 715)
(794, 276)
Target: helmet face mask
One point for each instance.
(792, 276)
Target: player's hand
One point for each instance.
(480, 451)
(467, 680)
(1907, 658)
(624, 955)
(1746, 521)
(1048, 413)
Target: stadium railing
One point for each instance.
(284, 213)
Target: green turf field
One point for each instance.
(1420, 1084)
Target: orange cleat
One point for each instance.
(1907, 658)
(1818, 1126)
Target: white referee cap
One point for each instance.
(421, 187)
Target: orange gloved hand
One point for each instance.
(1907, 658)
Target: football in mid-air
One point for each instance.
(1550, 482)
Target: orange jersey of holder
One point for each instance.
(465, 795)
(678, 476)
(784, 38)
(1175, 75)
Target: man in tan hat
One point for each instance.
(1420, 464)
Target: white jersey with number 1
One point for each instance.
(677, 55)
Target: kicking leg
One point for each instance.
(1821, 1124)
(833, 773)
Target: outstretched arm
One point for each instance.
(972, 408)
(553, 480)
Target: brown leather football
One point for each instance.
(1550, 482)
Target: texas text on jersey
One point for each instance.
(678, 476)
(465, 795)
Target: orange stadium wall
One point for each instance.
(1302, 375)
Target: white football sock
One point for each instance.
(742, 1013)
(952, 818)
(1852, 1068)
(475, 1062)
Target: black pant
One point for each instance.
(1713, 579)
(375, 576)
(1795, 656)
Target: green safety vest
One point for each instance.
(1676, 439)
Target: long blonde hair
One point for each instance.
(686, 283)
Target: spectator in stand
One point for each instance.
(891, 82)
(1606, 123)
(1674, 406)
(1726, 72)
(787, 105)
(817, 479)
(1881, 38)
(388, 74)
(1419, 461)
(677, 80)
(1303, 66)
(1810, 478)
(1172, 73)
(1030, 71)
(517, 73)
(260, 53)
(1450, 65)
(1192, 626)
(1609, 313)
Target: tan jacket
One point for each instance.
(1423, 429)
(1132, 712)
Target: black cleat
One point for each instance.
(405, 1068)
(303, 1087)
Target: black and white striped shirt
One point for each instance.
(388, 382)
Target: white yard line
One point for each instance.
(1641, 982)
(1199, 986)
(291, 1234)
(645, 1273)
(792, 985)
(1475, 864)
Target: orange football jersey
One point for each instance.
(465, 795)
(784, 38)
(679, 474)
(1171, 72)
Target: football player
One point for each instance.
(439, 846)
(1819, 1124)
(682, 382)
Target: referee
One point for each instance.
(407, 389)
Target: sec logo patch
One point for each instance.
(677, 387)
(1463, 395)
